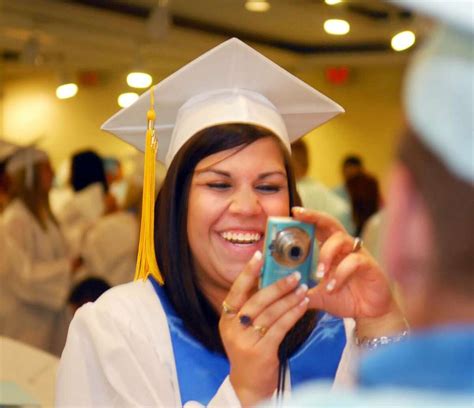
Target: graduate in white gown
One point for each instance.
(37, 267)
(198, 330)
(105, 237)
(316, 195)
(88, 203)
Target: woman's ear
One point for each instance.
(408, 249)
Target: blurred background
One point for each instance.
(95, 44)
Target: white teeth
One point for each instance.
(241, 238)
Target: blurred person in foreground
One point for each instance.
(314, 194)
(429, 245)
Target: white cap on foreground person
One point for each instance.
(194, 327)
(429, 245)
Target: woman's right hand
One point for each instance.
(252, 349)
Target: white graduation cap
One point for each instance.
(231, 83)
(439, 87)
(457, 13)
(24, 158)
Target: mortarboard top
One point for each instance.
(439, 86)
(231, 83)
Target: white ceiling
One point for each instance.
(98, 35)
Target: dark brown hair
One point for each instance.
(449, 201)
(172, 248)
(365, 198)
(87, 168)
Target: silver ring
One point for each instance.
(358, 243)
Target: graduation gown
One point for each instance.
(109, 248)
(79, 213)
(35, 274)
(318, 197)
(119, 352)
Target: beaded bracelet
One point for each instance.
(372, 343)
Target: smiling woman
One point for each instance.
(227, 179)
(206, 334)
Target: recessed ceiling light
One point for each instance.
(139, 80)
(403, 40)
(336, 27)
(258, 6)
(66, 91)
(126, 99)
(332, 2)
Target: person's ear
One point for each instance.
(408, 241)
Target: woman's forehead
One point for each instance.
(265, 153)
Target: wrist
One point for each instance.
(372, 343)
(391, 323)
(248, 396)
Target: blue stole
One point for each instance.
(201, 371)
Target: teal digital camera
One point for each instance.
(288, 248)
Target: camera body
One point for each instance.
(288, 248)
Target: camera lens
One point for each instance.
(295, 253)
(291, 247)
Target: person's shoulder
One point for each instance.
(128, 295)
(322, 394)
(14, 208)
(119, 222)
(126, 314)
(16, 212)
(130, 305)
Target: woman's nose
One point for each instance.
(245, 202)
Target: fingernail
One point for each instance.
(299, 210)
(294, 277)
(257, 255)
(320, 271)
(302, 289)
(304, 302)
(331, 285)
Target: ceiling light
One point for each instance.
(258, 6)
(332, 2)
(66, 91)
(403, 40)
(139, 80)
(336, 27)
(126, 99)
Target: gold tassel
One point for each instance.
(146, 259)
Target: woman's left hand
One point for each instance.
(352, 283)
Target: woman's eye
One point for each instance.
(269, 188)
(219, 186)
